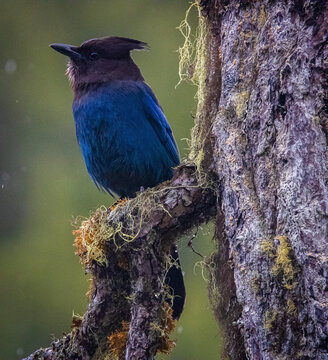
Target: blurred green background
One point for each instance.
(43, 181)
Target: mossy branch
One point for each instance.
(127, 253)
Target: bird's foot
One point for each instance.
(118, 203)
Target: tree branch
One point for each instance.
(129, 288)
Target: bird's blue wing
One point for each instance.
(159, 123)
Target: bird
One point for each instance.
(125, 139)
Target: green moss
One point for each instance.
(255, 282)
(291, 308)
(267, 247)
(270, 318)
(283, 263)
(283, 314)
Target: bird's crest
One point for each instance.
(113, 46)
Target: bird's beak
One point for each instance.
(67, 50)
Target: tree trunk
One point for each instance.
(259, 164)
(270, 138)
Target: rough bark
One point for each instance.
(261, 136)
(271, 158)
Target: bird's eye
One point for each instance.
(93, 56)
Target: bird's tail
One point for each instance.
(174, 279)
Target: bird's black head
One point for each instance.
(101, 60)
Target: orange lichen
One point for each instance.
(118, 203)
(91, 236)
(78, 243)
(118, 340)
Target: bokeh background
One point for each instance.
(44, 185)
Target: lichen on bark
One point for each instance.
(271, 158)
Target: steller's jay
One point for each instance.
(125, 139)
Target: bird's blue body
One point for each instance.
(124, 136)
(126, 141)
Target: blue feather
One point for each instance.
(124, 136)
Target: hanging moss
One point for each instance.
(192, 54)
(192, 68)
